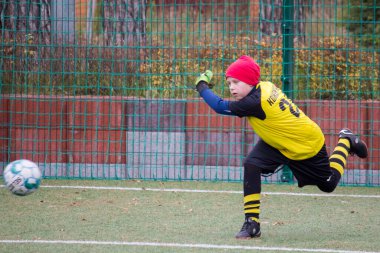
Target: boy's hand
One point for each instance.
(203, 81)
(206, 77)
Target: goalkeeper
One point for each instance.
(287, 137)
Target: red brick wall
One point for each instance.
(93, 129)
(61, 129)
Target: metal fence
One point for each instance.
(104, 89)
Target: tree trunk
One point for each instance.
(125, 25)
(25, 20)
(271, 18)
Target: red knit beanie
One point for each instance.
(244, 69)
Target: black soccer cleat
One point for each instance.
(358, 146)
(250, 229)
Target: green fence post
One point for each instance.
(287, 63)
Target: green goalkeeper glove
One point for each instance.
(203, 81)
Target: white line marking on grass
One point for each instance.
(180, 245)
(206, 191)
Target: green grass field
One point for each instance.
(137, 217)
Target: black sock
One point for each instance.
(252, 190)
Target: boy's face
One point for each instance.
(238, 88)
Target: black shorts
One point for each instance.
(312, 171)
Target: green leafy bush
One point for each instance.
(329, 68)
(336, 68)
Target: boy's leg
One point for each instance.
(338, 160)
(262, 157)
(348, 143)
(318, 171)
(324, 171)
(252, 190)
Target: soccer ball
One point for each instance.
(22, 177)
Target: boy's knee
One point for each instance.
(328, 188)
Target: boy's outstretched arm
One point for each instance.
(215, 102)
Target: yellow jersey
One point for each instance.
(279, 122)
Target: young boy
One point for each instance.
(287, 137)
